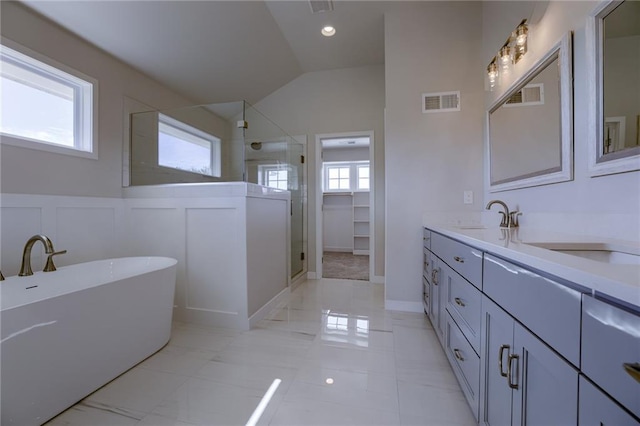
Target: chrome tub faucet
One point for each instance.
(25, 268)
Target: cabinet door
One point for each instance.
(597, 409)
(495, 347)
(546, 390)
(434, 313)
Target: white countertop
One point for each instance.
(620, 281)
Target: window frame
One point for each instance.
(353, 175)
(215, 142)
(264, 169)
(85, 102)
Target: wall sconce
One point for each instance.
(509, 54)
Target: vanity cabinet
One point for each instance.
(426, 271)
(523, 381)
(597, 409)
(547, 307)
(611, 350)
(527, 347)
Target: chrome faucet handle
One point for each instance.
(49, 266)
(513, 219)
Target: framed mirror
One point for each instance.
(530, 127)
(613, 33)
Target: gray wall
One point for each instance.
(430, 159)
(29, 171)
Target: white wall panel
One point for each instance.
(17, 225)
(266, 248)
(337, 228)
(213, 260)
(86, 233)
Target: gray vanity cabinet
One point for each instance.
(611, 349)
(597, 409)
(438, 312)
(496, 346)
(523, 381)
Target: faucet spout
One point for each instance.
(25, 268)
(506, 217)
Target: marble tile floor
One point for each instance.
(342, 360)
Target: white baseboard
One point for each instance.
(338, 249)
(312, 275)
(268, 307)
(361, 252)
(401, 305)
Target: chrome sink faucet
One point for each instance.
(509, 219)
(25, 268)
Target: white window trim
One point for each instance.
(92, 117)
(215, 160)
(353, 175)
(263, 169)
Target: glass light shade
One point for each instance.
(505, 56)
(521, 34)
(492, 72)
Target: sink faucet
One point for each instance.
(509, 219)
(25, 268)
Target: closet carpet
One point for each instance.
(345, 266)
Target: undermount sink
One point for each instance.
(601, 252)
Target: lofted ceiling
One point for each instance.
(220, 51)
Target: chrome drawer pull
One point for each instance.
(500, 355)
(633, 370)
(434, 276)
(510, 370)
(459, 302)
(459, 259)
(458, 355)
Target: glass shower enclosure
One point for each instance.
(224, 142)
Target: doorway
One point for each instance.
(345, 206)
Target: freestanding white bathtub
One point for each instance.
(69, 332)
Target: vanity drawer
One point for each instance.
(464, 305)
(425, 295)
(465, 260)
(597, 409)
(426, 238)
(427, 264)
(465, 363)
(611, 339)
(548, 308)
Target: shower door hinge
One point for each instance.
(302, 256)
(302, 159)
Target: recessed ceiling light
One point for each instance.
(328, 31)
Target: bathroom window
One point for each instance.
(184, 147)
(274, 176)
(45, 105)
(346, 176)
(363, 177)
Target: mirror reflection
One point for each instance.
(621, 81)
(525, 133)
(530, 127)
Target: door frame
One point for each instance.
(318, 209)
